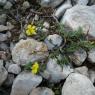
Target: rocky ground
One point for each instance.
(47, 47)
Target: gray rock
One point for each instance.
(26, 5)
(3, 18)
(9, 34)
(61, 10)
(77, 84)
(82, 70)
(24, 83)
(49, 3)
(3, 37)
(53, 41)
(3, 73)
(91, 55)
(3, 2)
(36, 17)
(81, 16)
(12, 45)
(8, 5)
(14, 68)
(22, 36)
(29, 50)
(8, 63)
(92, 75)
(41, 91)
(5, 28)
(79, 57)
(81, 2)
(3, 46)
(55, 73)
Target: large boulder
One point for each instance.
(29, 50)
(77, 84)
(81, 16)
(24, 83)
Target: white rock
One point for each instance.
(82, 70)
(3, 37)
(26, 5)
(8, 5)
(91, 55)
(81, 2)
(46, 25)
(3, 73)
(14, 68)
(61, 10)
(77, 84)
(24, 83)
(29, 50)
(53, 41)
(36, 17)
(3, 2)
(55, 73)
(92, 75)
(4, 28)
(42, 91)
(80, 16)
(79, 57)
(50, 3)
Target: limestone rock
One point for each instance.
(55, 73)
(81, 16)
(14, 68)
(79, 57)
(24, 83)
(29, 50)
(77, 84)
(53, 41)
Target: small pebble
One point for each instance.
(46, 25)
(26, 5)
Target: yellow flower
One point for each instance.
(35, 68)
(30, 30)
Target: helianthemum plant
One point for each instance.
(30, 30)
